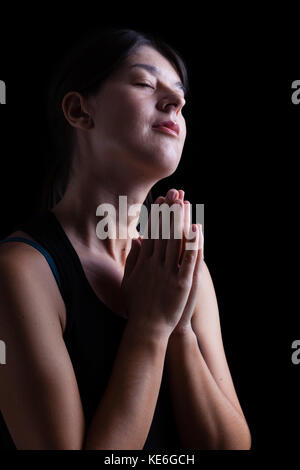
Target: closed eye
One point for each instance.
(145, 84)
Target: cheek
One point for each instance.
(134, 123)
(135, 111)
(123, 115)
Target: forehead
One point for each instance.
(149, 55)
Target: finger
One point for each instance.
(173, 248)
(190, 255)
(186, 228)
(199, 252)
(171, 195)
(161, 243)
(132, 257)
(166, 228)
(148, 242)
(158, 241)
(201, 241)
(196, 275)
(193, 295)
(181, 195)
(187, 218)
(181, 198)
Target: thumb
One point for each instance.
(132, 257)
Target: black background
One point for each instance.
(239, 160)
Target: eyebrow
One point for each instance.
(155, 71)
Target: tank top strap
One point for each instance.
(49, 236)
(41, 250)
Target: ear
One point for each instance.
(75, 109)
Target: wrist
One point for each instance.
(180, 343)
(148, 334)
(182, 331)
(182, 335)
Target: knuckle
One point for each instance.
(189, 257)
(183, 284)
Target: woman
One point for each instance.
(113, 343)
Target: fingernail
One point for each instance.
(159, 200)
(194, 228)
(171, 195)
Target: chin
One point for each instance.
(165, 166)
(162, 162)
(168, 161)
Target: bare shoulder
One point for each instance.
(39, 396)
(20, 262)
(14, 249)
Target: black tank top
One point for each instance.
(92, 335)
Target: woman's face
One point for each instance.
(129, 103)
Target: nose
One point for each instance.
(171, 101)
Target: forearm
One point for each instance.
(125, 412)
(205, 418)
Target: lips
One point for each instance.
(167, 125)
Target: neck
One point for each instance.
(76, 212)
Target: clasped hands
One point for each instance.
(172, 197)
